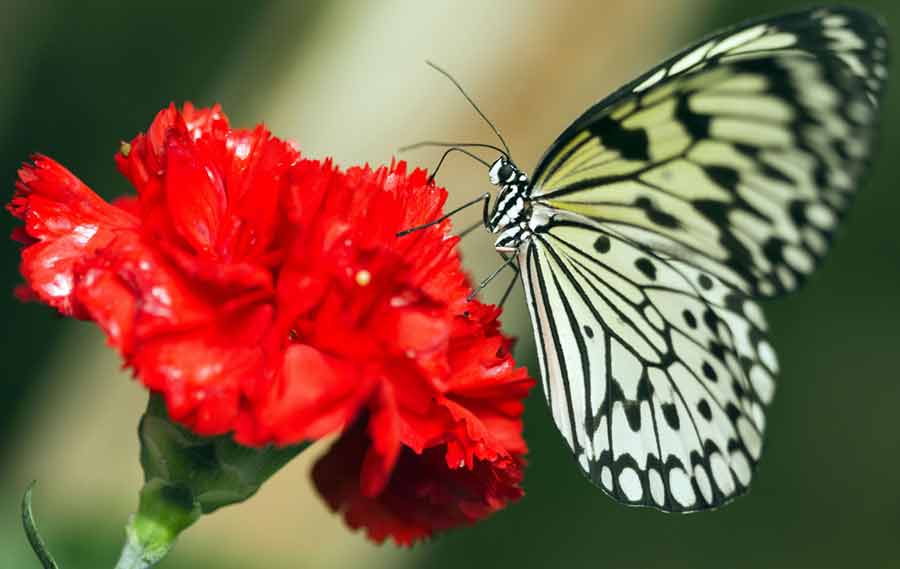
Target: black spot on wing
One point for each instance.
(602, 244)
(644, 389)
(739, 390)
(708, 372)
(633, 414)
(774, 173)
(732, 411)
(705, 411)
(773, 249)
(711, 321)
(717, 350)
(631, 144)
(670, 414)
(695, 123)
(723, 176)
(647, 267)
(797, 211)
(656, 215)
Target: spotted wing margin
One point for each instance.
(656, 372)
(743, 151)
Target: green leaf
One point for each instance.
(31, 532)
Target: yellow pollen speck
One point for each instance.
(363, 277)
(125, 149)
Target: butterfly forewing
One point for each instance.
(744, 149)
(656, 372)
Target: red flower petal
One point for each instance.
(423, 495)
(384, 431)
(67, 223)
(202, 373)
(195, 195)
(314, 395)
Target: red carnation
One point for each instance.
(268, 296)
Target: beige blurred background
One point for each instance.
(347, 79)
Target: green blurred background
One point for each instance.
(346, 79)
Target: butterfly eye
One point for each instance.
(506, 173)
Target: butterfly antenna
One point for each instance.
(471, 102)
(441, 144)
(446, 153)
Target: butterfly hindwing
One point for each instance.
(741, 153)
(656, 372)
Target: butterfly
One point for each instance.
(657, 220)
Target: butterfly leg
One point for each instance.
(508, 261)
(509, 287)
(485, 197)
(470, 229)
(485, 217)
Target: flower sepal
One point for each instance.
(186, 476)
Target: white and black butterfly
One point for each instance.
(656, 220)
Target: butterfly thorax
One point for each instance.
(512, 208)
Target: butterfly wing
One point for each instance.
(739, 154)
(656, 371)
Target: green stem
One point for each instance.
(165, 511)
(132, 557)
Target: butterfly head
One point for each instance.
(503, 171)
